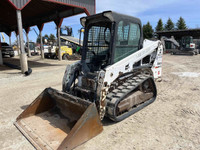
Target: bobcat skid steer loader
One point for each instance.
(115, 78)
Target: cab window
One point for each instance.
(127, 42)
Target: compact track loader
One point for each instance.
(115, 78)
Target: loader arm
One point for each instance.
(127, 64)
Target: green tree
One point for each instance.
(170, 25)
(159, 26)
(52, 38)
(38, 39)
(181, 24)
(44, 37)
(147, 31)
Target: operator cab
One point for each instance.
(98, 45)
(109, 37)
(187, 43)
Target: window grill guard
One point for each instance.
(98, 43)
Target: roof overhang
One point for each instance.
(195, 33)
(37, 12)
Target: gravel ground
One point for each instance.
(171, 122)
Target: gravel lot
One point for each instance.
(171, 122)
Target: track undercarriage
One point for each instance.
(184, 52)
(136, 92)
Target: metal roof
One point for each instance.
(37, 12)
(195, 33)
(72, 40)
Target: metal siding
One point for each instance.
(88, 4)
(19, 3)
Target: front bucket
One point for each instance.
(57, 121)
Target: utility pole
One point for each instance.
(1, 59)
(40, 27)
(59, 44)
(23, 57)
(10, 40)
(16, 32)
(58, 23)
(28, 48)
(41, 46)
(27, 41)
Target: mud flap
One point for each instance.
(57, 121)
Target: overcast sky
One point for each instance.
(146, 10)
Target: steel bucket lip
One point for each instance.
(27, 136)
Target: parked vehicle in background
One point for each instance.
(197, 44)
(187, 43)
(66, 51)
(188, 46)
(47, 51)
(32, 48)
(7, 50)
(52, 51)
(169, 44)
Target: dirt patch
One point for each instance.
(171, 122)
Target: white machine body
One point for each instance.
(126, 65)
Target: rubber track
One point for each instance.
(118, 94)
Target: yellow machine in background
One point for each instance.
(65, 52)
(15, 47)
